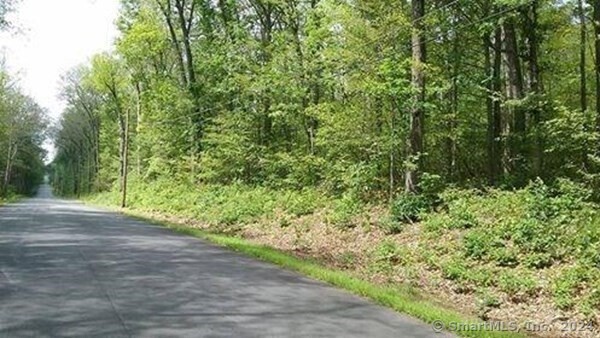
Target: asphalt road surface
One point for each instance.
(70, 270)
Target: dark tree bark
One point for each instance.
(515, 91)
(596, 15)
(266, 17)
(125, 161)
(582, 55)
(415, 141)
(535, 87)
(185, 13)
(515, 72)
(493, 63)
(167, 12)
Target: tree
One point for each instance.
(582, 55)
(328, 94)
(596, 20)
(110, 80)
(22, 131)
(415, 142)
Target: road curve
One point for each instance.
(70, 270)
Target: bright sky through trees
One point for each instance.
(51, 37)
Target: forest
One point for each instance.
(23, 130)
(22, 133)
(448, 145)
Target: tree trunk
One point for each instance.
(596, 9)
(415, 142)
(392, 172)
(138, 121)
(451, 148)
(582, 56)
(531, 32)
(167, 13)
(493, 68)
(125, 160)
(185, 26)
(515, 93)
(7, 170)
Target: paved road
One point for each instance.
(70, 270)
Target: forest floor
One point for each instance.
(454, 254)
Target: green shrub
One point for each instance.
(588, 242)
(434, 223)
(431, 186)
(505, 256)
(387, 255)
(486, 300)
(478, 244)
(564, 287)
(408, 207)
(461, 217)
(344, 210)
(555, 204)
(533, 235)
(517, 284)
(482, 276)
(300, 203)
(391, 226)
(463, 220)
(455, 269)
(431, 258)
(591, 301)
(538, 260)
(576, 192)
(538, 202)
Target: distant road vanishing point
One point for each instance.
(71, 270)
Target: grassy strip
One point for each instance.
(405, 300)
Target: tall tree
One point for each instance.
(22, 130)
(582, 55)
(415, 140)
(109, 78)
(531, 32)
(596, 16)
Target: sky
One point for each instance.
(51, 37)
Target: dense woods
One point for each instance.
(23, 126)
(440, 112)
(349, 97)
(22, 133)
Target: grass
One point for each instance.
(402, 299)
